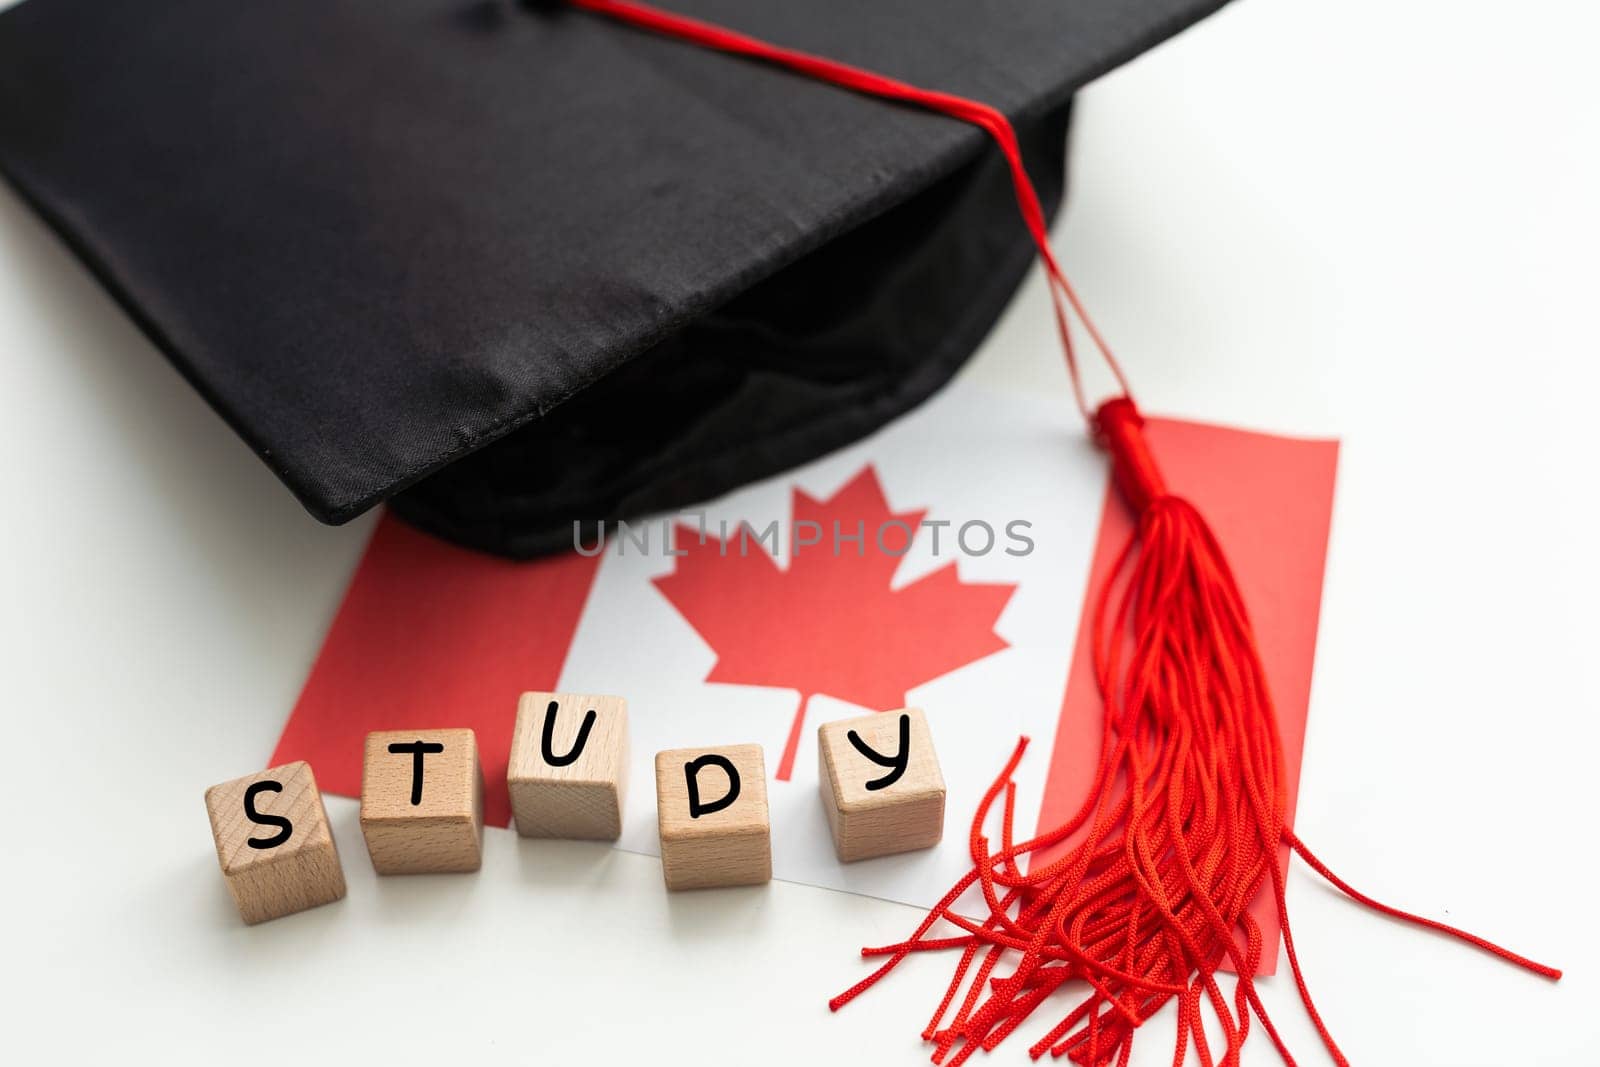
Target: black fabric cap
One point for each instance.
(511, 265)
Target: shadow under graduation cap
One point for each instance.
(513, 266)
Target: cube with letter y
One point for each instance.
(711, 804)
(274, 843)
(568, 772)
(881, 785)
(422, 801)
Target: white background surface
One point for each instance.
(1374, 219)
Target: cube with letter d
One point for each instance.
(711, 804)
(881, 785)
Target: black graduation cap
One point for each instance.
(507, 266)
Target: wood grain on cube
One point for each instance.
(708, 839)
(880, 783)
(428, 822)
(568, 771)
(274, 843)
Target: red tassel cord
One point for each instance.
(1182, 826)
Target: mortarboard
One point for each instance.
(509, 266)
(606, 275)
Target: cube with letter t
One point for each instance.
(422, 801)
(881, 785)
(273, 842)
(711, 804)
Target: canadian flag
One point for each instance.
(942, 563)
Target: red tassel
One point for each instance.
(1186, 815)
(1180, 831)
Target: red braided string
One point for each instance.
(1181, 828)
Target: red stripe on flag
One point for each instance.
(1269, 501)
(429, 636)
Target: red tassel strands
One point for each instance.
(1182, 827)
(1179, 833)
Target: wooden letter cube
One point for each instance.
(881, 785)
(422, 801)
(712, 808)
(568, 773)
(274, 843)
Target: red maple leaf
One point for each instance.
(830, 623)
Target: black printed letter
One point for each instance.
(285, 827)
(692, 769)
(896, 762)
(417, 749)
(546, 742)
